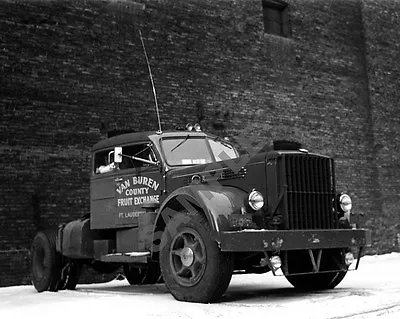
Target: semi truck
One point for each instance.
(185, 208)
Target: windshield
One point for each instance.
(188, 150)
(222, 151)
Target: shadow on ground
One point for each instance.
(248, 293)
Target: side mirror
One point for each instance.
(118, 154)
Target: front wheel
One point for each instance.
(317, 281)
(193, 267)
(332, 261)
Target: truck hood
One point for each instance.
(233, 168)
(233, 165)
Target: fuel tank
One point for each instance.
(76, 239)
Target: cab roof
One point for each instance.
(140, 137)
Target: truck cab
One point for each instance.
(119, 188)
(184, 208)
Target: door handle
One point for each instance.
(118, 179)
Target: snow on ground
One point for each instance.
(373, 291)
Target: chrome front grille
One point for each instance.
(310, 191)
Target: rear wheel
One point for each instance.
(46, 262)
(193, 267)
(331, 260)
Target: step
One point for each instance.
(128, 257)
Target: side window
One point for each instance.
(104, 162)
(133, 156)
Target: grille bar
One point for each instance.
(310, 191)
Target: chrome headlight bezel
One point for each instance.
(255, 200)
(345, 203)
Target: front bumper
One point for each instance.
(281, 240)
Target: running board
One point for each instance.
(131, 257)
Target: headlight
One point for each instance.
(345, 203)
(256, 200)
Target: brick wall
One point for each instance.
(72, 71)
(382, 33)
(14, 267)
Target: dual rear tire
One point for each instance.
(50, 271)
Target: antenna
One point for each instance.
(152, 83)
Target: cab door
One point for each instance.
(102, 191)
(136, 182)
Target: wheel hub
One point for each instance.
(187, 256)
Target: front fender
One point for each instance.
(217, 203)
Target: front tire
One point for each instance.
(193, 267)
(331, 260)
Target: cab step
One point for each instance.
(129, 257)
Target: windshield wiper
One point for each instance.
(180, 143)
